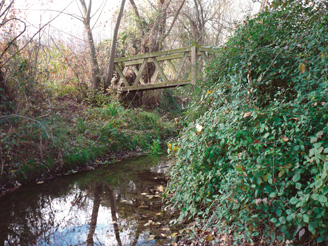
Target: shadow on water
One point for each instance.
(118, 204)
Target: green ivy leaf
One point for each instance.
(315, 197)
(322, 199)
(296, 177)
(306, 218)
(311, 229)
(294, 200)
(298, 186)
(318, 183)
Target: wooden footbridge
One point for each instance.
(163, 69)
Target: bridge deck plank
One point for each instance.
(154, 86)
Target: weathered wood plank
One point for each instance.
(182, 62)
(134, 68)
(161, 72)
(155, 76)
(139, 74)
(194, 64)
(172, 67)
(150, 55)
(122, 74)
(159, 58)
(154, 86)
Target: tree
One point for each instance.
(113, 49)
(155, 31)
(86, 19)
(205, 21)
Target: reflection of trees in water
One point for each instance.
(52, 211)
(94, 215)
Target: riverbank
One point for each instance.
(75, 137)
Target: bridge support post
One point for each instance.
(194, 64)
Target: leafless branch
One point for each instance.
(41, 28)
(7, 8)
(12, 41)
(175, 18)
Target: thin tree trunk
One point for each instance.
(95, 72)
(114, 217)
(94, 216)
(113, 49)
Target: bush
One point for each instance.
(253, 159)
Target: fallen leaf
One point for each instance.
(209, 238)
(209, 92)
(247, 114)
(302, 68)
(174, 234)
(285, 139)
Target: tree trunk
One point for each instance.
(95, 72)
(94, 215)
(112, 52)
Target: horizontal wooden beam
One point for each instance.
(150, 55)
(153, 86)
(160, 58)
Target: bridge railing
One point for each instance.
(172, 68)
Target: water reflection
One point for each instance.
(106, 206)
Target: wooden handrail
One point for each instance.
(159, 79)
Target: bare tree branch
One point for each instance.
(12, 41)
(7, 8)
(175, 18)
(4, 63)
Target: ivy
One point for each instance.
(253, 158)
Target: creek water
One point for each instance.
(115, 204)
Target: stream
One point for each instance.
(115, 204)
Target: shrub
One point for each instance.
(253, 159)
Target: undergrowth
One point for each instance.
(33, 147)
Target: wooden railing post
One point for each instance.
(194, 64)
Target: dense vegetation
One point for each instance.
(252, 162)
(50, 123)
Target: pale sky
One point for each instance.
(39, 12)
